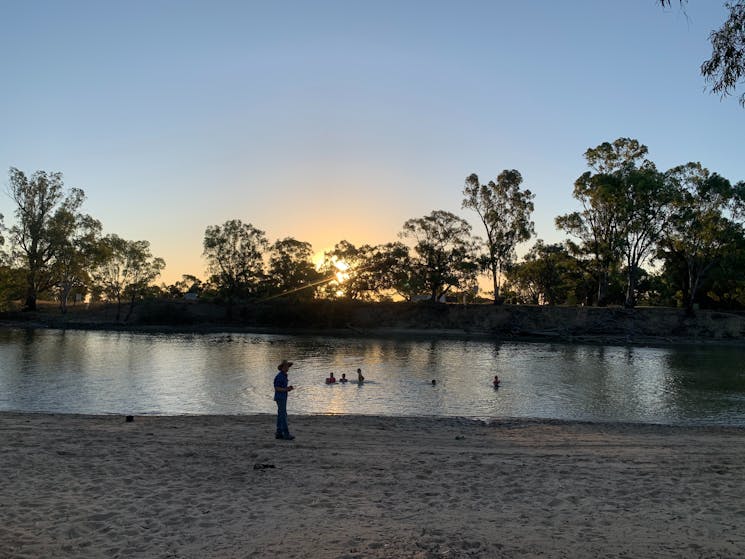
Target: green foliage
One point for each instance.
(726, 67)
(46, 220)
(12, 286)
(626, 206)
(548, 275)
(702, 235)
(75, 257)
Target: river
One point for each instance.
(101, 372)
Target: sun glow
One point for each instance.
(341, 265)
(341, 273)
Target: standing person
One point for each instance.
(281, 389)
(360, 378)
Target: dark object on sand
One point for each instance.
(129, 418)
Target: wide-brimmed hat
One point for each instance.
(285, 363)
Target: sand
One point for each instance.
(358, 487)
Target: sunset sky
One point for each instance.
(327, 120)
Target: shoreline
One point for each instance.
(367, 487)
(380, 333)
(495, 421)
(650, 326)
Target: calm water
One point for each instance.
(133, 373)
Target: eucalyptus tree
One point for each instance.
(548, 274)
(234, 252)
(504, 210)
(343, 268)
(44, 211)
(12, 285)
(625, 207)
(188, 284)
(75, 257)
(445, 252)
(291, 269)
(389, 272)
(124, 270)
(645, 213)
(702, 231)
(725, 70)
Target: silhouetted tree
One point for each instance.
(504, 210)
(548, 275)
(234, 253)
(445, 252)
(291, 269)
(124, 270)
(389, 271)
(343, 266)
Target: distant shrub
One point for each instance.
(165, 313)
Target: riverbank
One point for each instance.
(361, 487)
(579, 325)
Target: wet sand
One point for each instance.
(359, 487)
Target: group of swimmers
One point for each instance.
(332, 379)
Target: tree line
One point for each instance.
(641, 235)
(55, 251)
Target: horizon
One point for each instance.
(333, 121)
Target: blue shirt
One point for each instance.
(280, 381)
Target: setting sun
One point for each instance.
(341, 274)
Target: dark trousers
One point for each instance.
(282, 428)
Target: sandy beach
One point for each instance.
(357, 487)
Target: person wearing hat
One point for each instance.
(280, 396)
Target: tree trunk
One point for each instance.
(693, 281)
(64, 294)
(495, 283)
(602, 289)
(630, 301)
(30, 293)
(131, 308)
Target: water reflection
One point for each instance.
(124, 372)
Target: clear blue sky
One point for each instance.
(329, 120)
